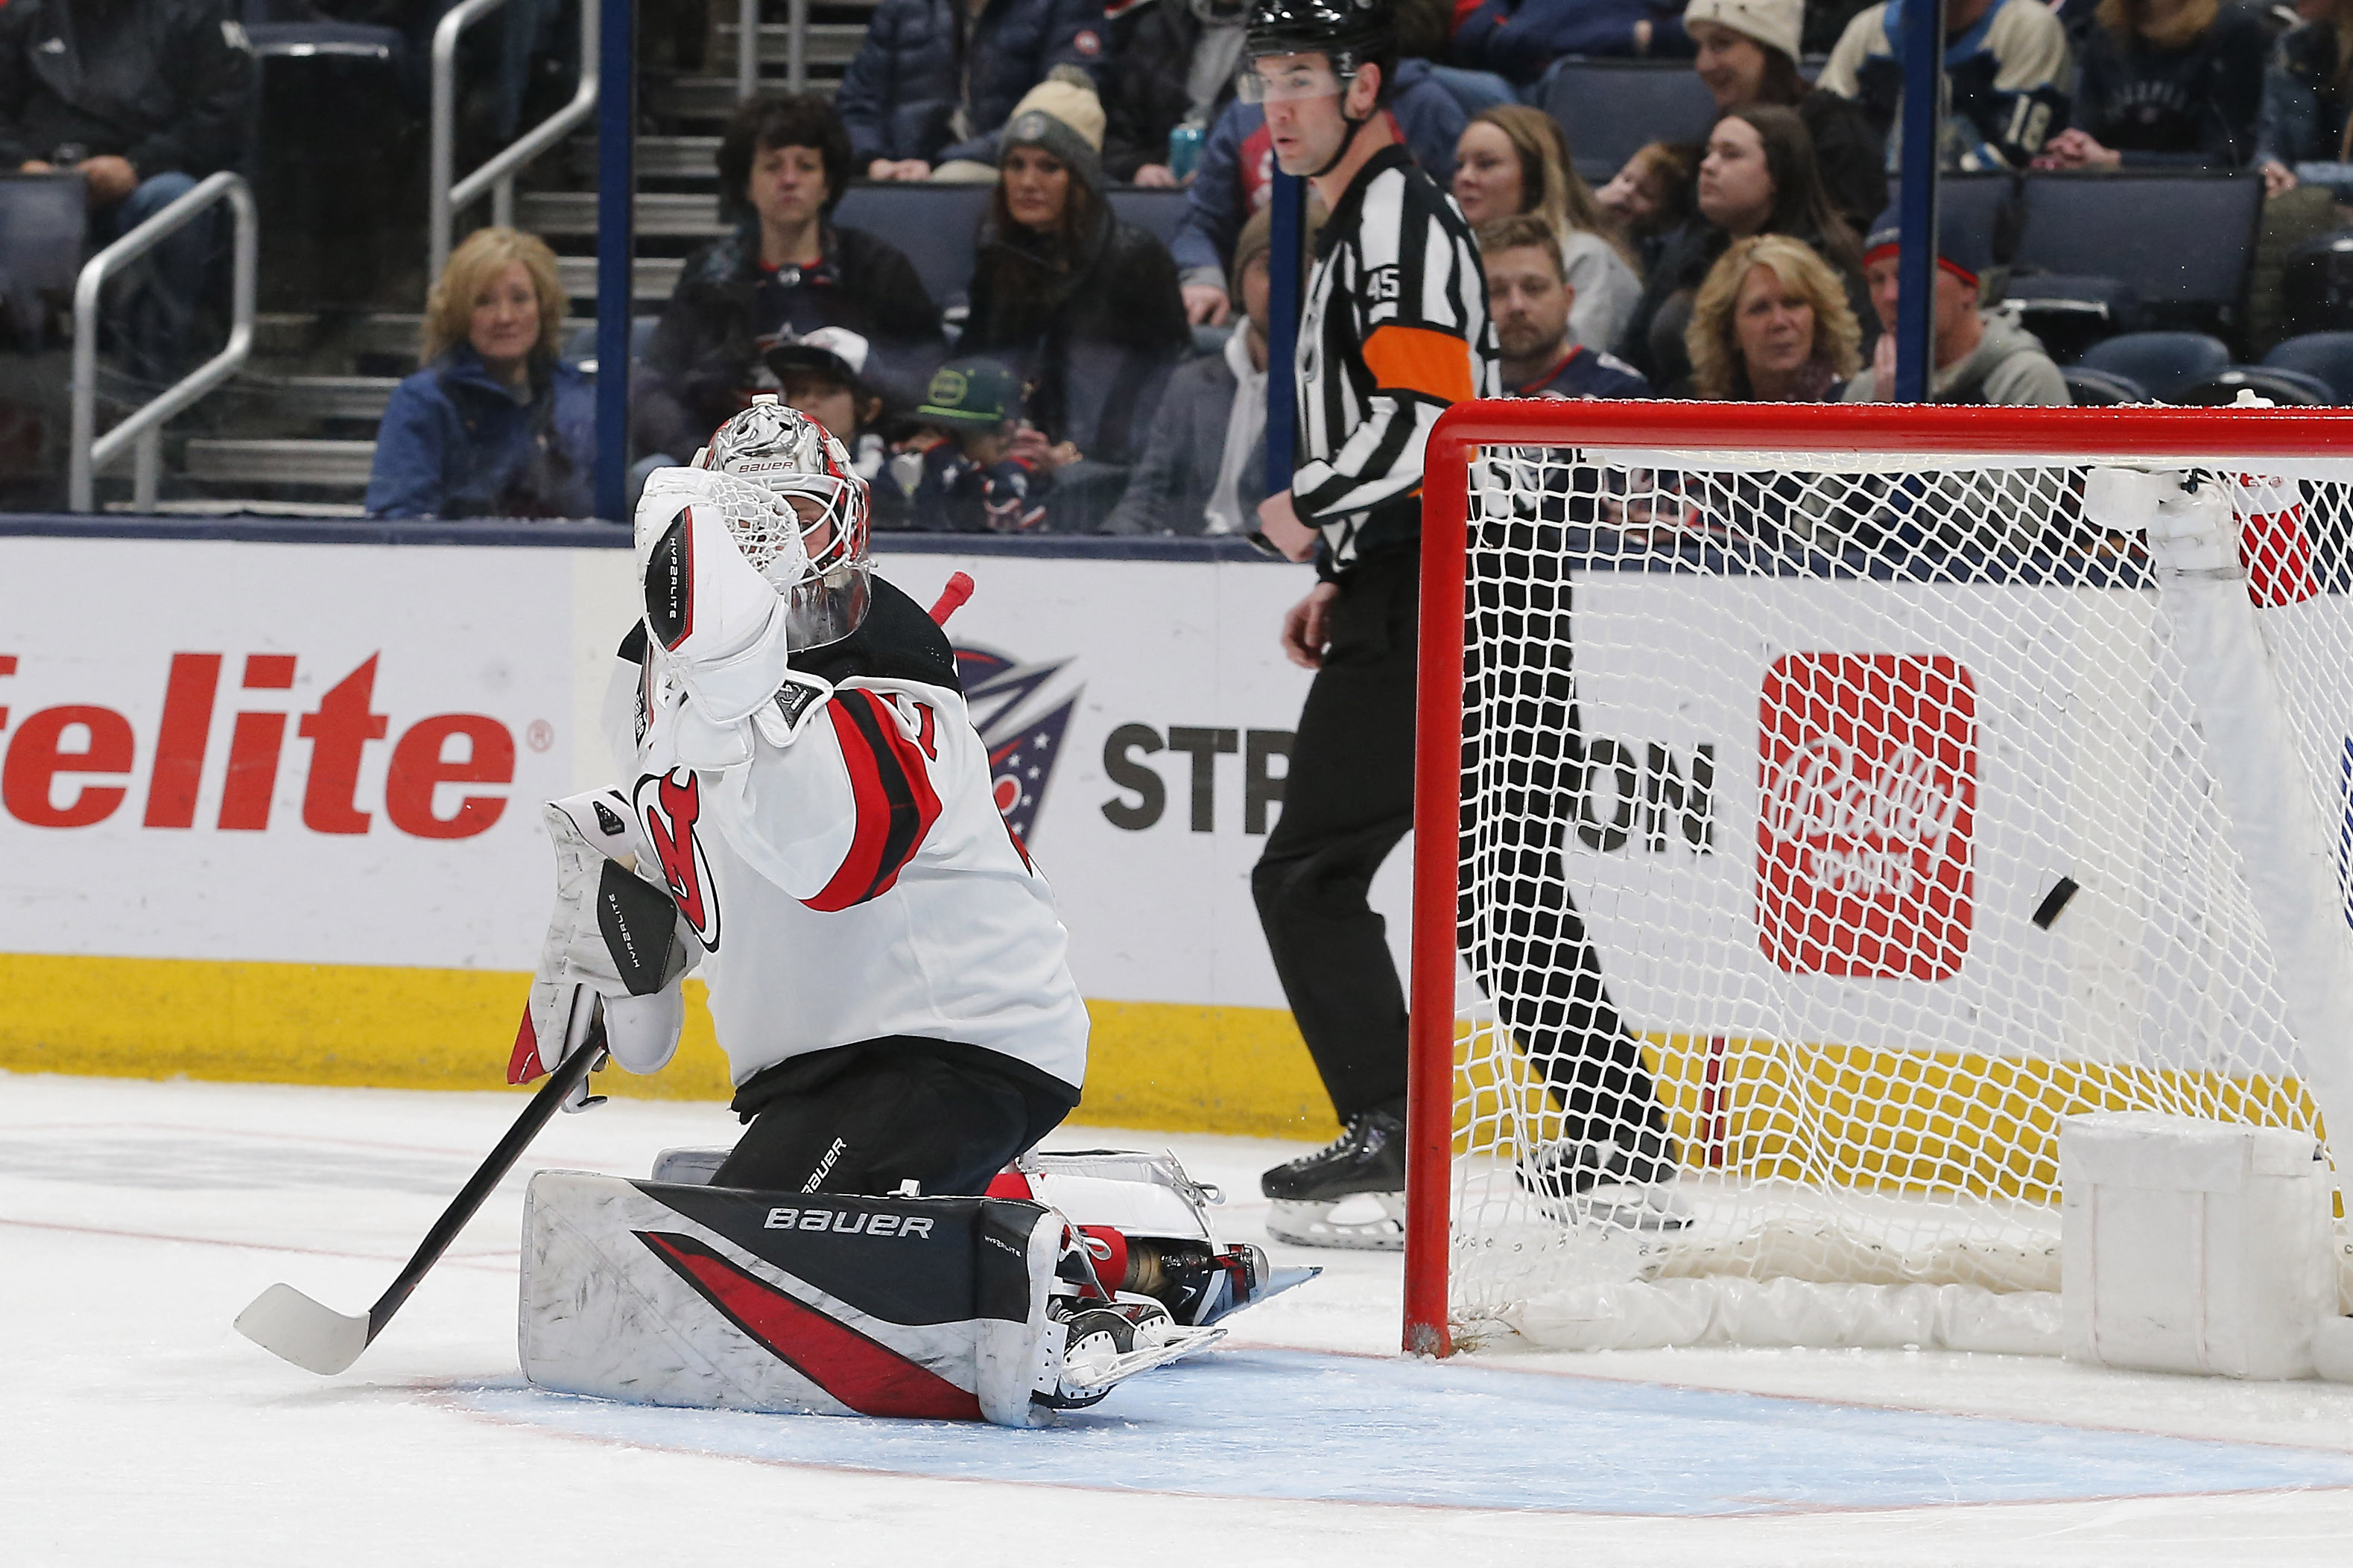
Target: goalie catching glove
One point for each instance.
(614, 940)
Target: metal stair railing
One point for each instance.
(449, 196)
(144, 428)
(747, 47)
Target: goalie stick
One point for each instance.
(292, 1327)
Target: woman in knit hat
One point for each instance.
(1748, 54)
(1083, 307)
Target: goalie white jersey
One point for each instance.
(856, 882)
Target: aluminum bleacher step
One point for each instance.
(677, 157)
(339, 465)
(711, 97)
(830, 43)
(660, 214)
(654, 277)
(323, 396)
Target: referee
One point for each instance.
(1394, 329)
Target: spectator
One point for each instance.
(142, 98)
(784, 272)
(1533, 303)
(2006, 74)
(973, 478)
(823, 375)
(1517, 160)
(1082, 306)
(934, 80)
(1771, 324)
(1519, 39)
(1650, 197)
(1175, 67)
(1981, 357)
(1757, 178)
(1236, 173)
(1748, 54)
(494, 425)
(2306, 98)
(2166, 83)
(1194, 476)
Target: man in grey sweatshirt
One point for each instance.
(1981, 357)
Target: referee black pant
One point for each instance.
(1348, 800)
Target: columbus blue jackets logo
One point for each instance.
(1022, 711)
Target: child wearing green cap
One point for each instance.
(972, 481)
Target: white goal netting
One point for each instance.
(1834, 825)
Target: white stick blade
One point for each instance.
(289, 1325)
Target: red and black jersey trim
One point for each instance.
(896, 803)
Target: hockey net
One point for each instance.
(1841, 802)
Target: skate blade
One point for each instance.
(292, 1327)
(1102, 1376)
(1311, 1224)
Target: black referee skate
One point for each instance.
(1621, 1183)
(1348, 1193)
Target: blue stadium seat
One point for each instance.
(1159, 212)
(2328, 355)
(580, 348)
(2182, 243)
(935, 226)
(2288, 388)
(42, 220)
(2101, 389)
(2167, 363)
(1610, 108)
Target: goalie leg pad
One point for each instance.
(922, 1308)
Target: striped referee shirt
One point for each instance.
(1395, 328)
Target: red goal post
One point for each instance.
(2200, 438)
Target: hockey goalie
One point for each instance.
(810, 825)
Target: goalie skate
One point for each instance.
(1104, 1344)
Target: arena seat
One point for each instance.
(2167, 363)
(1610, 108)
(2327, 355)
(937, 226)
(2183, 244)
(2101, 389)
(2288, 388)
(42, 223)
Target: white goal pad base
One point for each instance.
(1787, 1313)
(2194, 1246)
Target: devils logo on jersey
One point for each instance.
(670, 804)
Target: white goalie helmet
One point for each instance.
(826, 581)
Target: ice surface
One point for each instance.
(138, 1219)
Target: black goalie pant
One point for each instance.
(1348, 799)
(867, 1117)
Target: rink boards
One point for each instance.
(266, 807)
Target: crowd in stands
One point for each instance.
(1089, 378)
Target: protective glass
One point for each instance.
(1276, 80)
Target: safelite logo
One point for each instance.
(76, 765)
(1868, 785)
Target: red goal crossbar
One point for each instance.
(2189, 437)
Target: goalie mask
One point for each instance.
(824, 573)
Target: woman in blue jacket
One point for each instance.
(495, 425)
